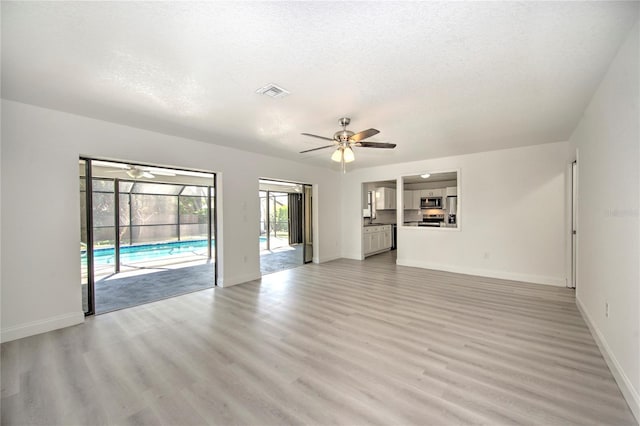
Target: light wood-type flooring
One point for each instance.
(345, 342)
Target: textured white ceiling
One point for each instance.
(437, 78)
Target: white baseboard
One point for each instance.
(490, 273)
(328, 258)
(41, 326)
(239, 279)
(626, 387)
(353, 256)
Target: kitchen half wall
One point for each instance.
(514, 207)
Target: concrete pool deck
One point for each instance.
(157, 280)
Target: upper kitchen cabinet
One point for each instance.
(438, 203)
(411, 200)
(425, 193)
(385, 199)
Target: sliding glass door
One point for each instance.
(142, 219)
(86, 255)
(286, 238)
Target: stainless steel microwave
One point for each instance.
(431, 203)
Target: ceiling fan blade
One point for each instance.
(160, 172)
(316, 136)
(363, 135)
(315, 149)
(375, 145)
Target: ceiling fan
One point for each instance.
(137, 172)
(344, 140)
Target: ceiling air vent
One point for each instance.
(273, 91)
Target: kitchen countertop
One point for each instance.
(424, 225)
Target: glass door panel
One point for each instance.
(264, 218)
(308, 235)
(104, 231)
(279, 220)
(84, 267)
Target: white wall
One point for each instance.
(511, 208)
(40, 206)
(607, 140)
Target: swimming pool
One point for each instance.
(144, 252)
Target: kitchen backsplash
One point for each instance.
(412, 216)
(385, 216)
(433, 211)
(389, 216)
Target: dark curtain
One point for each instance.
(295, 218)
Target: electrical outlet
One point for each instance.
(606, 309)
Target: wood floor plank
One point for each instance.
(345, 342)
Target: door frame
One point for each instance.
(573, 231)
(307, 219)
(307, 223)
(212, 226)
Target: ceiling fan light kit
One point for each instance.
(343, 155)
(348, 154)
(345, 139)
(137, 173)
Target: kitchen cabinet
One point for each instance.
(407, 200)
(451, 191)
(425, 193)
(376, 239)
(411, 200)
(385, 199)
(386, 238)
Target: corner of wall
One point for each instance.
(329, 258)
(630, 394)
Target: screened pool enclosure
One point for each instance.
(142, 219)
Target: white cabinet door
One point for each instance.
(408, 200)
(385, 198)
(416, 199)
(386, 239)
(366, 243)
(375, 241)
(390, 201)
(411, 200)
(451, 191)
(379, 194)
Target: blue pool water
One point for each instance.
(142, 252)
